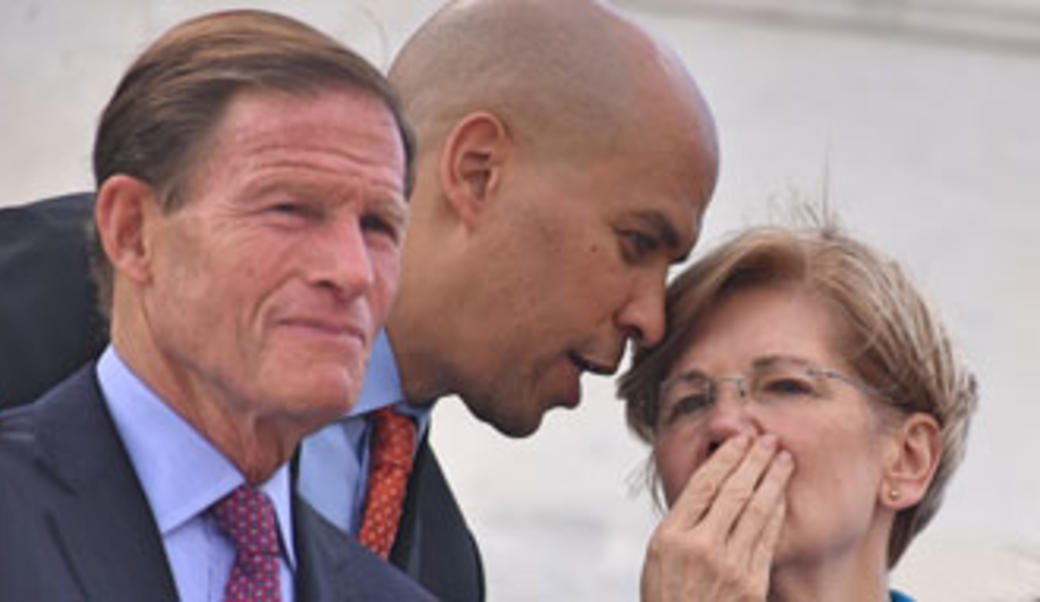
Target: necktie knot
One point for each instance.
(393, 440)
(247, 516)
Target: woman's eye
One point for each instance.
(688, 405)
(789, 387)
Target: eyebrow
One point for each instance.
(771, 360)
(393, 208)
(687, 376)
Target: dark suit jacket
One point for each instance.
(76, 525)
(433, 543)
(49, 326)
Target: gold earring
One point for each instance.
(893, 494)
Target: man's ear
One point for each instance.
(911, 463)
(123, 208)
(471, 164)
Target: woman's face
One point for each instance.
(781, 342)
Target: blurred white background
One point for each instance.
(919, 118)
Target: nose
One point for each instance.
(732, 413)
(344, 264)
(642, 318)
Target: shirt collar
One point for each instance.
(182, 474)
(382, 386)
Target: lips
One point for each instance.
(582, 364)
(586, 365)
(337, 330)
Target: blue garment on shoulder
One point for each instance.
(899, 596)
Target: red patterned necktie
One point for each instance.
(393, 449)
(248, 518)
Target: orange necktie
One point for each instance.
(393, 450)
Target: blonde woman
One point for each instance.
(805, 412)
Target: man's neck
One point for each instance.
(256, 447)
(422, 371)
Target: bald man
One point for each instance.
(565, 161)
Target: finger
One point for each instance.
(765, 549)
(737, 490)
(704, 485)
(758, 514)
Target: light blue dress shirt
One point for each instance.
(182, 475)
(334, 461)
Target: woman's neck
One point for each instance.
(822, 588)
(857, 575)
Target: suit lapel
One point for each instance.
(408, 544)
(335, 568)
(103, 524)
(434, 545)
(321, 572)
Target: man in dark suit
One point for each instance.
(252, 176)
(566, 159)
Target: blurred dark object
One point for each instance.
(49, 323)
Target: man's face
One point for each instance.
(270, 282)
(574, 265)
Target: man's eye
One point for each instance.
(292, 209)
(637, 245)
(379, 225)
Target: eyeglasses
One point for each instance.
(774, 381)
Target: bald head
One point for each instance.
(565, 161)
(564, 77)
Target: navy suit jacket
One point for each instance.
(76, 525)
(49, 323)
(434, 545)
(49, 326)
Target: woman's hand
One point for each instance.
(717, 541)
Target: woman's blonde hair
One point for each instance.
(892, 338)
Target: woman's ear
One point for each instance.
(123, 207)
(471, 164)
(911, 463)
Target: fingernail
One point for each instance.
(769, 441)
(784, 457)
(741, 441)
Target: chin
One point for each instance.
(519, 431)
(331, 395)
(511, 424)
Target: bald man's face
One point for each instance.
(572, 263)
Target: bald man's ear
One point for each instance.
(471, 164)
(911, 462)
(124, 205)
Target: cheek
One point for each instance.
(836, 466)
(386, 266)
(675, 461)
